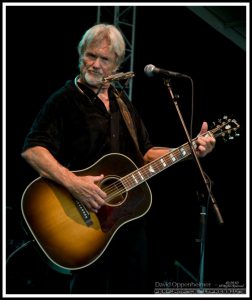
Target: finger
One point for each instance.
(201, 141)
(93, 208)
(201, 148)
(207, 141)
(94, 204)
(99, 200)
(86, 202)
(98, 178)
(91, 204)
(212, 140)
(204, 128)
(101, 194)
(98, 190)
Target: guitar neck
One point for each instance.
(158, 165)
(225, 126)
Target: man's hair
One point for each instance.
(99, 32)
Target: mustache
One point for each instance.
(95, 72)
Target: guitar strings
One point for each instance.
(114, 190)
(118, 188)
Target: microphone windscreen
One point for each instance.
(148, 70)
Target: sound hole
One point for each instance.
(116, 193)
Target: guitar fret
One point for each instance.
(134, 178)
(158, 165)
(140, 174)
(129, 182)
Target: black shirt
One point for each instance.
(78, 130)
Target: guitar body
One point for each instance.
(57, 225)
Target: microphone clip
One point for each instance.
(118, 77)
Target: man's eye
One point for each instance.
(105, 59)
(92, 56)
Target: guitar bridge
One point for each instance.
(84, 212)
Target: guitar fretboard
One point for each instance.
(153, 168)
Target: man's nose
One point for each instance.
(97, 62)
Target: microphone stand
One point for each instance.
(203, 212)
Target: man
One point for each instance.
(79, 124)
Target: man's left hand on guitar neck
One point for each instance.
(205, 143)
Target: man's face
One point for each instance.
(99, 61)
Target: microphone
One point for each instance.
(151, 70)
(118, 76)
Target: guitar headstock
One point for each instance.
(226, 128)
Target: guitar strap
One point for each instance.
(129, 123)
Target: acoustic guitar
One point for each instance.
(71, 236)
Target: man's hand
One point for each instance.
(205, 143)
(85, 189)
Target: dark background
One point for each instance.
(41, 47)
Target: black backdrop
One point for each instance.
(41, 55)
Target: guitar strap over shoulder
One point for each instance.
(129, 123)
